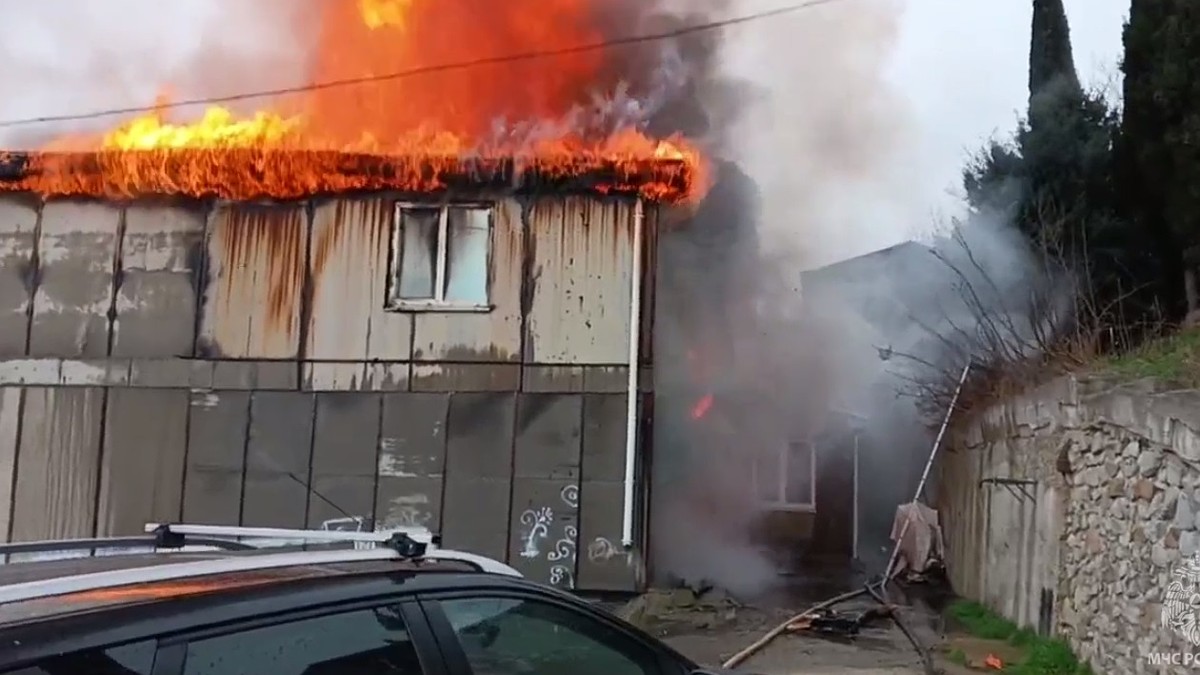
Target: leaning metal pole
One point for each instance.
(937, 442)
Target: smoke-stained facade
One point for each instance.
(460, 364)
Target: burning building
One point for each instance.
(344, 311)
(379, 338)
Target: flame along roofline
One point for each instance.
(238, 174)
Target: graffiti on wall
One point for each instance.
(408, 511)
(537, 523)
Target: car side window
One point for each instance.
(364, 642)
(507, 636)
(131, 659)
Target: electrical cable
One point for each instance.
(423, 70)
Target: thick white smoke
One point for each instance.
(833, 152)
(63, 57)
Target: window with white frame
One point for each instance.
(441, 257)
(786, 480)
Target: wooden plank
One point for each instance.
(10, 426)
(412, 457)
(277, 460)
(141, 475)
(345, 443)
(76, 252)
(212, 487)
(59, 465)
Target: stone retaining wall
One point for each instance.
(1069, 509)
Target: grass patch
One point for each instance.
(1175, 359)
(981, 621)
(1042, 656)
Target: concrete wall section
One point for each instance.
(18, 246)
(1071, 509)
(249, 364)
(311, 282)
(500, 474)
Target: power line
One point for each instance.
(423, 70)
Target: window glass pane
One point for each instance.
(131, 659)
(418, 262)
(469, 238)
(799, 473)
(367, 642)
(504, 636)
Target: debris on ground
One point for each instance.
(682, 607)
(839, 624)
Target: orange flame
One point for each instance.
(993, 662)
(700, 410)
(433, 117)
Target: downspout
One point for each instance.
(631, 413)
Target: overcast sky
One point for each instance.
(962, 64)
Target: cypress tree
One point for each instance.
(1052, 72)
(1159, 149)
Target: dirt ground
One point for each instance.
(712, 627)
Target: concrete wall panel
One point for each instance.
(475, 505)
(275, 493)
(141, 472)
(161, 257)
(10, 429)
(348, 268)
(18, 254)
(545, 510)
(257, 264)
(345, 451)
(412, 455)
(216, 459)
(603, 562)
(58, 464)
(582, 270)
(77, 250)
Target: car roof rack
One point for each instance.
(277, 536)
(392, 544)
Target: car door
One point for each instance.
(516, 633)
(376, 638)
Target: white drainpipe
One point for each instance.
(635, 339)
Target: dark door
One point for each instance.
(833, 529)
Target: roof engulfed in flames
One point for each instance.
(419, 133)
